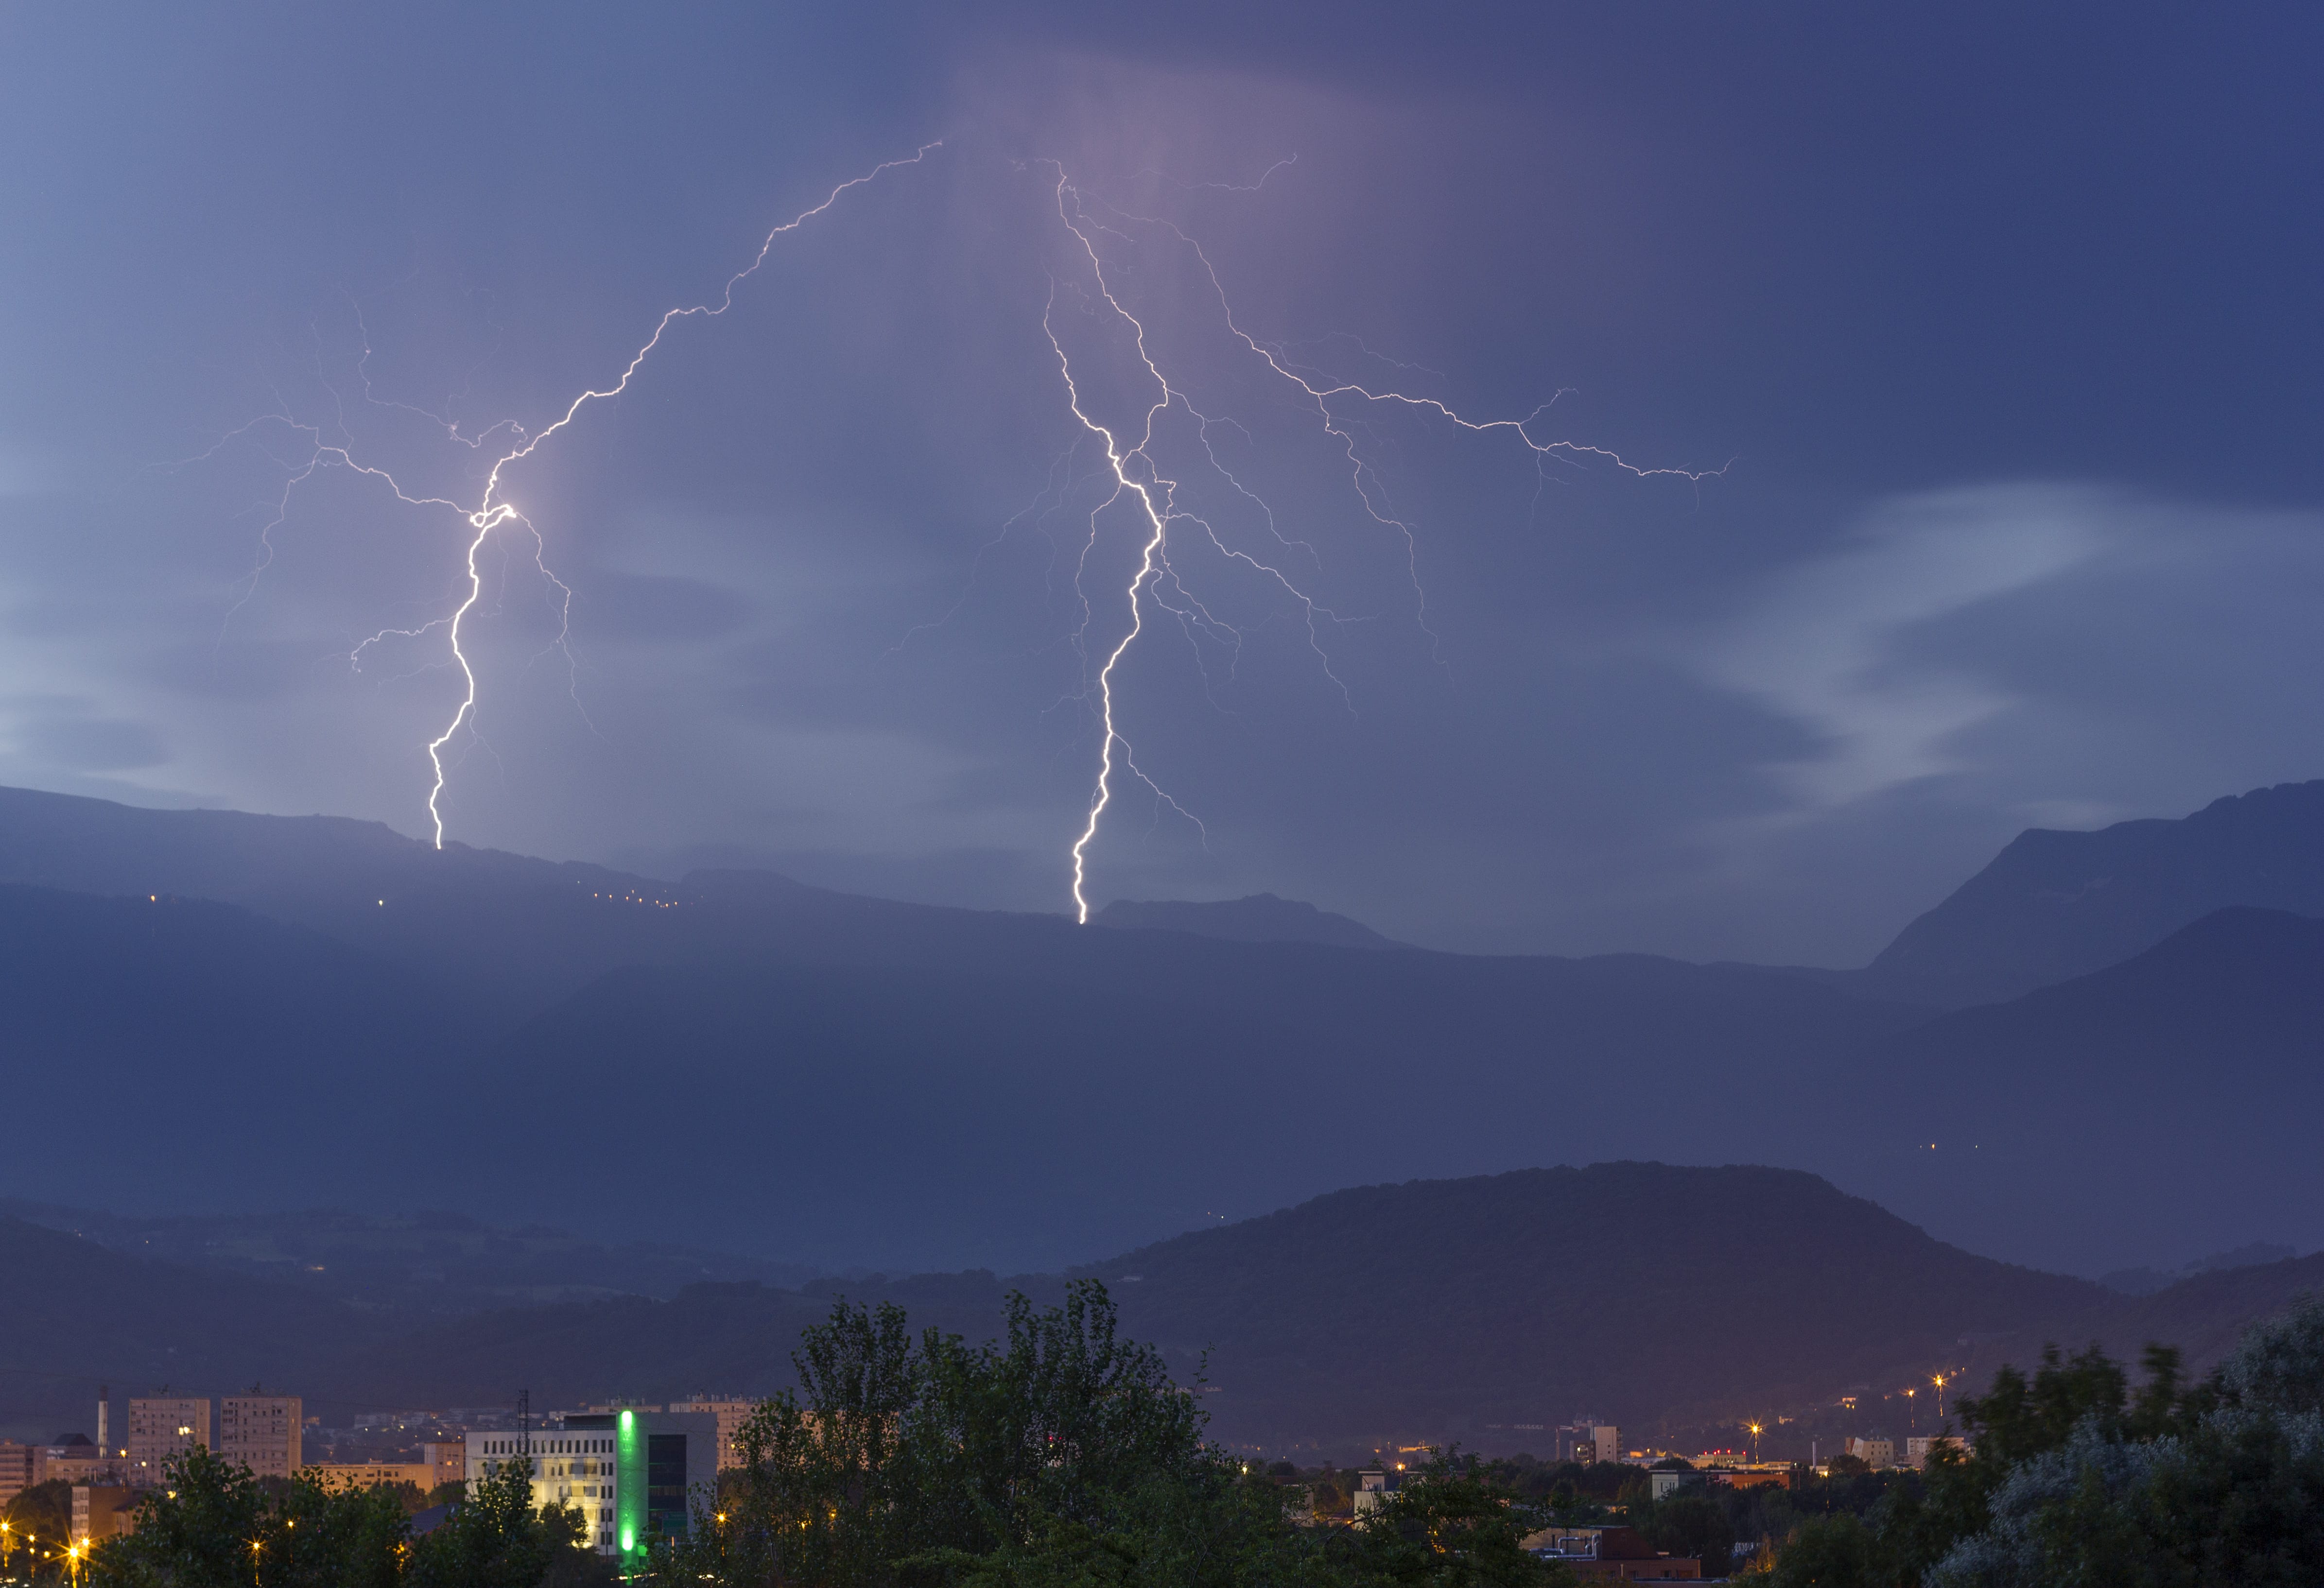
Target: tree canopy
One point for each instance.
(2073, 1477)
(1057, 1455)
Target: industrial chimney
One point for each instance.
(104, 1401)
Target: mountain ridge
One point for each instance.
(1256, 917)
(2038, 1121)
(2053, 905)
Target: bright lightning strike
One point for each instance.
(491, 511)
(1105, 245)
(1137, 476)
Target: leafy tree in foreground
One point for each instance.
(2075, 1480)
(212, 1525)
(1060, 1456)
(38, 1518)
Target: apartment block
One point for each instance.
(1586, 1440)
(448, 1461)
(732, 1412)
(1874, 1452)
(1917, 1451)
(265, 1433)
(20, 1469)
(162, 1429)
(101, 1511)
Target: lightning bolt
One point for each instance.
(491, 511)
(1102, 243)
(1137, 476)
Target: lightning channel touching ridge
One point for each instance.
(1102, 247)
(490, 511)
(1136, 475)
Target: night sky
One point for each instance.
(2001, 321)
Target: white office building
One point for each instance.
(635, 1476)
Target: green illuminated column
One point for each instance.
(629, 1483)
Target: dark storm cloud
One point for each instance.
(2005, 314)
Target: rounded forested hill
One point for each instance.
(1627, 1290)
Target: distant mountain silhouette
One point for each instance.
(419, 1263)
(807, 1075)
(1638, 1290)
(2202, 1315)
(1431, 1310)
(79, 1315)
(1123, 1086)
(2053, 905)
(1258, 918)
(2119, 1113)
(2145, 1280)
(192, 1054)
(1426, 1310)
(523, 931)
(1422, 1311)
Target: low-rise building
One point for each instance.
(1874, 1452)
(373, 1474)
(1611, 1555)
(1667, 1476)
(74, 1458)
(1918, 1450)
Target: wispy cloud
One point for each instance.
(2038, 640)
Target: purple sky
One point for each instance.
(2006, 321)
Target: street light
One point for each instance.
(1755, 1443)
(1940, 1382)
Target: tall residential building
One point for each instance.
(20, 1469)
(1586, 1440)
(262, 1432)
(448, 1461)
(162, 1429)
(732, 1412)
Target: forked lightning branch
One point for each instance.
(1095, 236)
